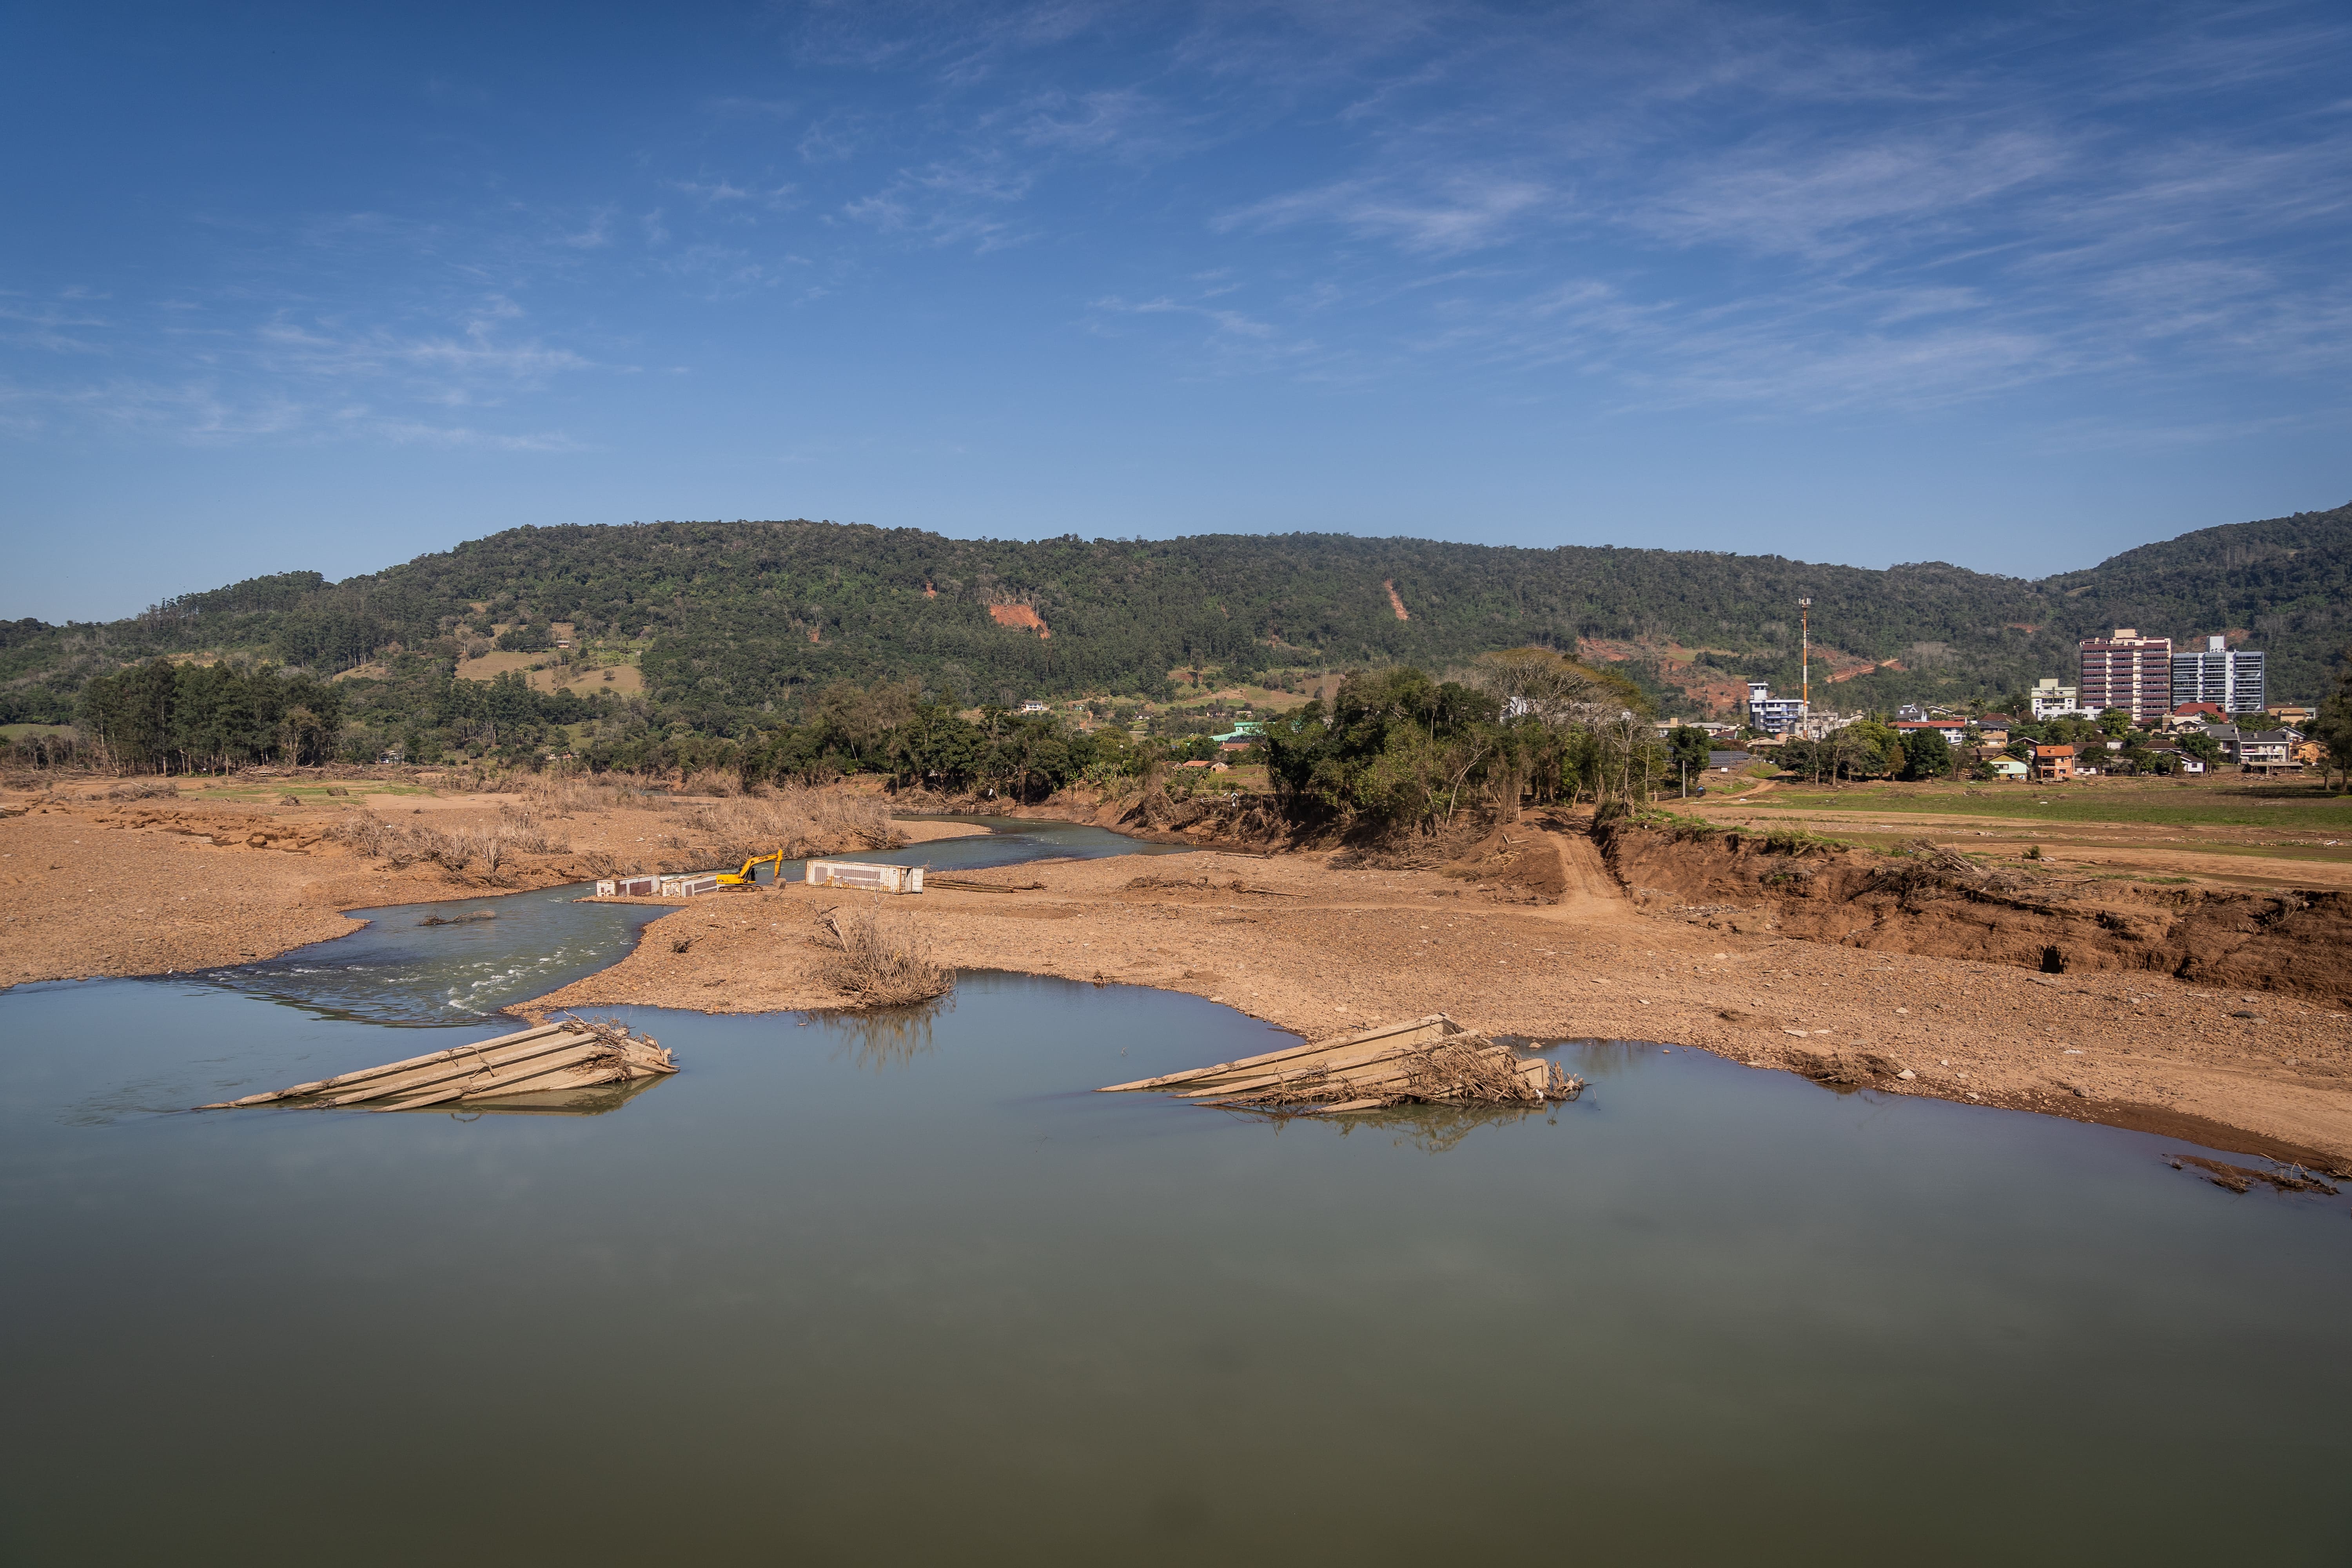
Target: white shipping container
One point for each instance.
(687, 887)
(866, 875)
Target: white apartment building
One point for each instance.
(2230, 679)
(1772, 715)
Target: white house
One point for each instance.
(2052, 700)
(1772, 715)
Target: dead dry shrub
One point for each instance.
(481, 778)
(520, 829)
(403, 845)
(365, 833)
(558, 794)
(858, 818)
(800, 822)
(880, 960)
(139, 789)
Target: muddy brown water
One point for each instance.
(902, 1290)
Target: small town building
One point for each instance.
(2294, 718)
(2217, 673)
(2050, 701)
(2200, 713)
(1953, 731)
(1772, 715)
(2053, 762)
(2126, 671)
(2267, 751)
(2007, 768)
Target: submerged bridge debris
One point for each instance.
(1430, 1058)
(572, 1053)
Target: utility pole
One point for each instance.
(1805, 653)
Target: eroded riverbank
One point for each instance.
(1317, 950)
(158, 884)
(96, 888)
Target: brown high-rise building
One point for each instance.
(2127, 671)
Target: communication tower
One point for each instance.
(1805, 653)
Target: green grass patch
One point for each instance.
(2209, 806)
(20, 731)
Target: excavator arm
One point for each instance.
(747, 876)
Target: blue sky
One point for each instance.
(330, 287)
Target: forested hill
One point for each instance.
(733, 622)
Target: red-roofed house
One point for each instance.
(2053, 762)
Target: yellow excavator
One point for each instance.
(747, 877)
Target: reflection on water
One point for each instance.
(888, 1036)
(1432, 1128)
(1010, 841)
(905, 1289)
(596, 1100)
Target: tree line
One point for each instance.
(161, 716)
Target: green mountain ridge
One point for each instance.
(735, 624)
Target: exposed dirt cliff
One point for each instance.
(2297, 943)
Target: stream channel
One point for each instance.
(901, 1290)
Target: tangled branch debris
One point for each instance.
(1430, 1059)
(880, 961)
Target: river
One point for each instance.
(903, 1289)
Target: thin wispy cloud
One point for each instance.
(1688, 211)
(1460, 210)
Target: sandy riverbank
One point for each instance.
(92, 887)
(1318, 950)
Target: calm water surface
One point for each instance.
(905, 1291)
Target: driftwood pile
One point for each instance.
(574, 1053)
(1432, 1059)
